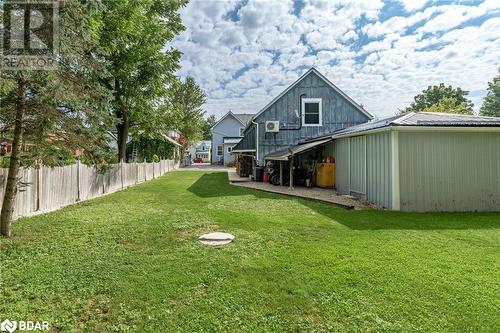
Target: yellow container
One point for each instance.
(325, 175)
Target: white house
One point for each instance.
(201, 150)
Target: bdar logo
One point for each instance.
(8, 325)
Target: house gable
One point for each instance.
(337, 111)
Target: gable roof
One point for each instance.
(242, 118)
(328, 82)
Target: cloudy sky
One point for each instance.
(381, 53)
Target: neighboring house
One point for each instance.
(312, 106)
(226, 133)
(201, 150)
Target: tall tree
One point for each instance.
(434, 95)
(209, 123)
(184, 112)
(133, 37)
(491, 104)
(59, 108)
(449, 105)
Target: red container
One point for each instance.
(266, 177)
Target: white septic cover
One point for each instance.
(216, 238)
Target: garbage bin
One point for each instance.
(259, 174)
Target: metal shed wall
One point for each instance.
(449, 171)
(363, 167)
(358, 166)
(342, 165)
(378, 169)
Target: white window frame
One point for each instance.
(221, 150)
(320, 108)
(241, 133)
(229, 149)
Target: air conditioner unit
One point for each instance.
(272, 126)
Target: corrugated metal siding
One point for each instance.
(378, 169)
(449, 171)
(337, 113)
(358, 166)
(364, 168)
(342, 165)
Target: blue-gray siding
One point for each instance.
(228, 127)
(337, 113)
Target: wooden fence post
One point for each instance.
(38, 185)
(136, 172)
(121, 172)
(145, 171)
(78, 198)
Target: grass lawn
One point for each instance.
(131, 261)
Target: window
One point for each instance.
(219, 150)
(229, 149)
(242, 131)
(312, 112)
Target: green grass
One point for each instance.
(131, 261)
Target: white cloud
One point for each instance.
(244, 54)
(411, 5)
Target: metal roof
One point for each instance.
(231, 140)
(420, 119)
(284, 154)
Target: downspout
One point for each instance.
(256, 141)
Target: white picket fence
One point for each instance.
(45, 189)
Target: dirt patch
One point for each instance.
(184, 234)
(95, 310)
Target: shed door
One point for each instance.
(358, 166)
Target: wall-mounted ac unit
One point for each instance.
(272, 126)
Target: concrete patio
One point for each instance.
(315, 193)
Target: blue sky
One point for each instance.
(381, 53)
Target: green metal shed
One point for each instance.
(422, 162)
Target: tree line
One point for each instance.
(115, 68)
(446, 99)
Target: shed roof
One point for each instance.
(228, 139)
(421, 119)
(284, 154)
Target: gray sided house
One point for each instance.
(312, 106)
(226, 133)
(422, 162)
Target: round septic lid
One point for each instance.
(216, 238)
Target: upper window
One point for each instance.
(242, 131)
(229, 149)
(219, 150)
(312, 114)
